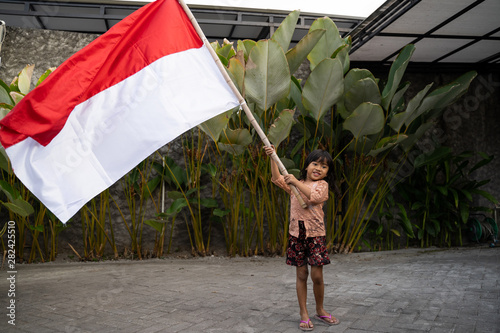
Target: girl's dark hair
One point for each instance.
(323, 156)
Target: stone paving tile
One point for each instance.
(453, 290)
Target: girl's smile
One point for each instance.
(317, 170)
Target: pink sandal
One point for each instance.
(308, 322)
(329, 322)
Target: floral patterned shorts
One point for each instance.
(312, 249)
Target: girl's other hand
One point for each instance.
(290, 179)
(269, 150)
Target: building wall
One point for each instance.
(469, 124)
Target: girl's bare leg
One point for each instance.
(319, 291)
(301, 285)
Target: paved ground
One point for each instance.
(455, 290)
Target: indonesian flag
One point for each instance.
(112, 104)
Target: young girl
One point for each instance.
(307, 235)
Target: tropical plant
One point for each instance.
(345, 111)
(138, 187)
(440, 193)
(16, 198)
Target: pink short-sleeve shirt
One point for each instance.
(313, 215)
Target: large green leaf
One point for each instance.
(4, 94)
(280, 128)
(16, 96)
(24, 82)
(267, 78)
(3, 110)
(368, 118)
(451, 92)
(364, 90)
(235, 141)
(296, 95)
(246, 46)
(486, 159)
(45, 75)
(323, 88)
(486, 195)
(226, 50)
(157, 225)
(236, 71)
(19, 207)
(409, 114)
(437, 155)
(298, 54)
(396, 73)
(398, 99)
(353, 76)
(414, 137)
(387, 143)
(342, 53)
(283, 35)
(4, 161)
(327, 44)
(356, 74)
(214, 126)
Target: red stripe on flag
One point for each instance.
(152, 32)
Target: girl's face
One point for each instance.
(317, 170)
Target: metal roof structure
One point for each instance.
(446, 33)
(453, 33)
(92, 17)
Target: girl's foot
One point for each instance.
(327, 319)
(306, 325)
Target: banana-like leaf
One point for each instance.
(463, 83)
(4, 94)
(296, 95)
(19, 207)
(405, 222)
(280, 128)
(45, 75)
(298, 54)
(396, 73)
(342, 53)
(414, 137)
(3, 110)
(364, 90)
(4, 161)
(435, 156)
(434, 100)
(356, 74)
(236, 71)
(323, 88)
(387, 143)
(267, 77)
(214, 126)
(246, 46)
(353, 76)
(283, 35)
(368, 118)
(235, 141)
(327, 44)
(398, 100)
(227, 49)
(24, 82)
(404, 117)
(16, 96)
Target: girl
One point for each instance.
(307, 235)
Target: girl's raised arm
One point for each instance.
(275, 171)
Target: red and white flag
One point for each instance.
(112, 104)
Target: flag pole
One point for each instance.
(241, 100)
